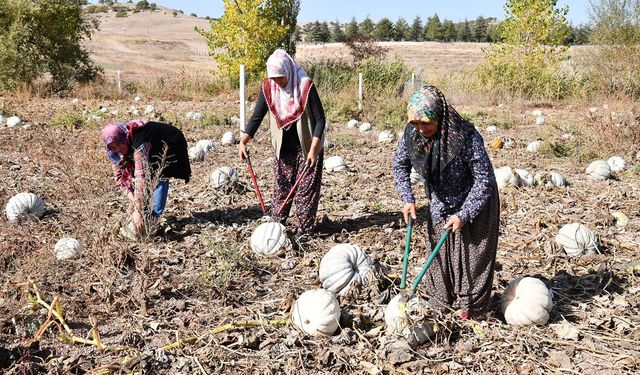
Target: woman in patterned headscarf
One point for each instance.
(138, 148)
(460, 185)
(297, 135)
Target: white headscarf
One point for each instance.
(286, 104)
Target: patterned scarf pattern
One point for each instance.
(286, 104)
(124, 164)
(431, 155)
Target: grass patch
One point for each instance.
(555, 149)
(226, 263)
(503, 122)
(68, 120)
(345, 140)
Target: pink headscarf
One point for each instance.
(120, 132)
(123, 164)
(286, 104)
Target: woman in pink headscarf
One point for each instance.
(138, 148)
(297, 136)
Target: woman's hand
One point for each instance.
(454, 223)
(242, 146)
(409, 209)
(312, 157)
(138, 223)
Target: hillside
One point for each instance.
(159, 43)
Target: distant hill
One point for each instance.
(159, 43)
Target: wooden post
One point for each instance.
(119, 82)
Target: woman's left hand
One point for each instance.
(454, 223)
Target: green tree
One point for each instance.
(44, 37)
(384, 30)
(248, 32)
(336, 32)
(401, 30)
(433, 29)
(366, 27)
(142, 5)
(480, 29)
(416, 29)
(464, 32)
(325, 33)
(449, 31)
(352, 28)
(527, 61)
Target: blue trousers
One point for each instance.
(160, 198)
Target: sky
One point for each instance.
(344, 10)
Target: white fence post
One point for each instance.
(359, 91)
(242, 100)
(119, 82)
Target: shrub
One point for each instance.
(612, 61)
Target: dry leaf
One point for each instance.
(370, 368)
(566, 330)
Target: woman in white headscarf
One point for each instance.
(297, 136)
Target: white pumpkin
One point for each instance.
(409, 317)
(620, 219)
(616, 164)
(206, 145)
(344, 265)
(492, 129)
(137, 98)
(335, 164)
(13, 121)
(223, 177)
(149, 110)
(526, 301)
(386, 136)
(67, 248)
(508, 142)
(2, 123)
(352, 124)
(540, 120)
(228, 138)
(269, 239)
(599, 170)
(549, 179)
(24, 206)
(525, 178)
(536, 112)
(327, 143)
(576, 240)
(135, 112)
(567, 136)
(196, 153)
(534, 146)
(317, 313)
(75, 101)
(505, 176)
(416, 177)
(104, 109)
(365, 127)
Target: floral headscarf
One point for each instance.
(286, 104)
(433, 154)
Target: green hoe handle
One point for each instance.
(405, 259)
(435, 251)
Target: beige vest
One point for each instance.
(304, 125)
